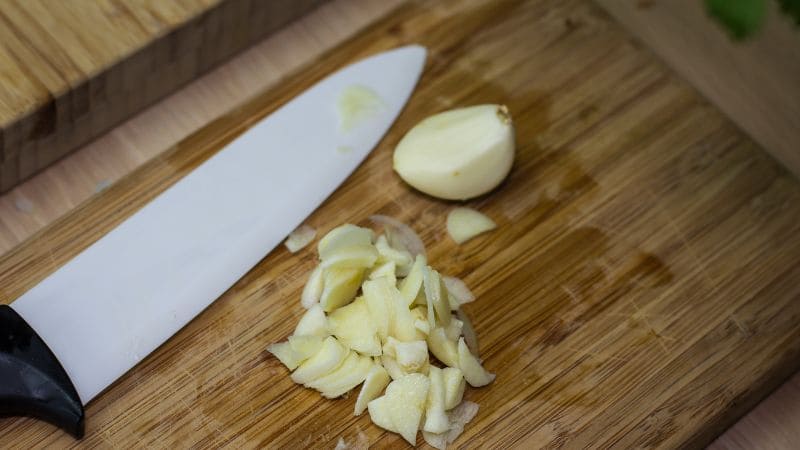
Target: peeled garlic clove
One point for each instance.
(458, 154)
(464, 224)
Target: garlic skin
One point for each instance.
(458, 154)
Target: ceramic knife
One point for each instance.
(72, 335)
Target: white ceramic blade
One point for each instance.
(123, 296)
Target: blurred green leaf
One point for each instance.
(741, 17)
(792, 8)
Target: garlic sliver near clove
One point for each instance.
(458, 154)
(464, 224)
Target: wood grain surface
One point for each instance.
(69, 182)
(754, 82)
(638, 291)
(72, 69)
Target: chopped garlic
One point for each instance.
(474, 372)
(464, 224)
(468, 331)
(299, 238)
(458, 291)
(313, 289)
(365, 326)
(376, 381)
(313, 323)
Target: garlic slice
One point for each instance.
(464, 224)
(313, 288)
(468, 331)
(458, 154)
(458, 291)
(474, 372)
(376, 381)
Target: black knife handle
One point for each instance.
(32, 381)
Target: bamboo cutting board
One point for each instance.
(72, 69)
(640, 289)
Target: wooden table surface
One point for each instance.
(70, 183)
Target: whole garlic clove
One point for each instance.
(458, 154)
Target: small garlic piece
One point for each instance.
(458, 154)
(312, 291)
(299, 238)
(459, 293)
(356, 104)
(464, 224)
